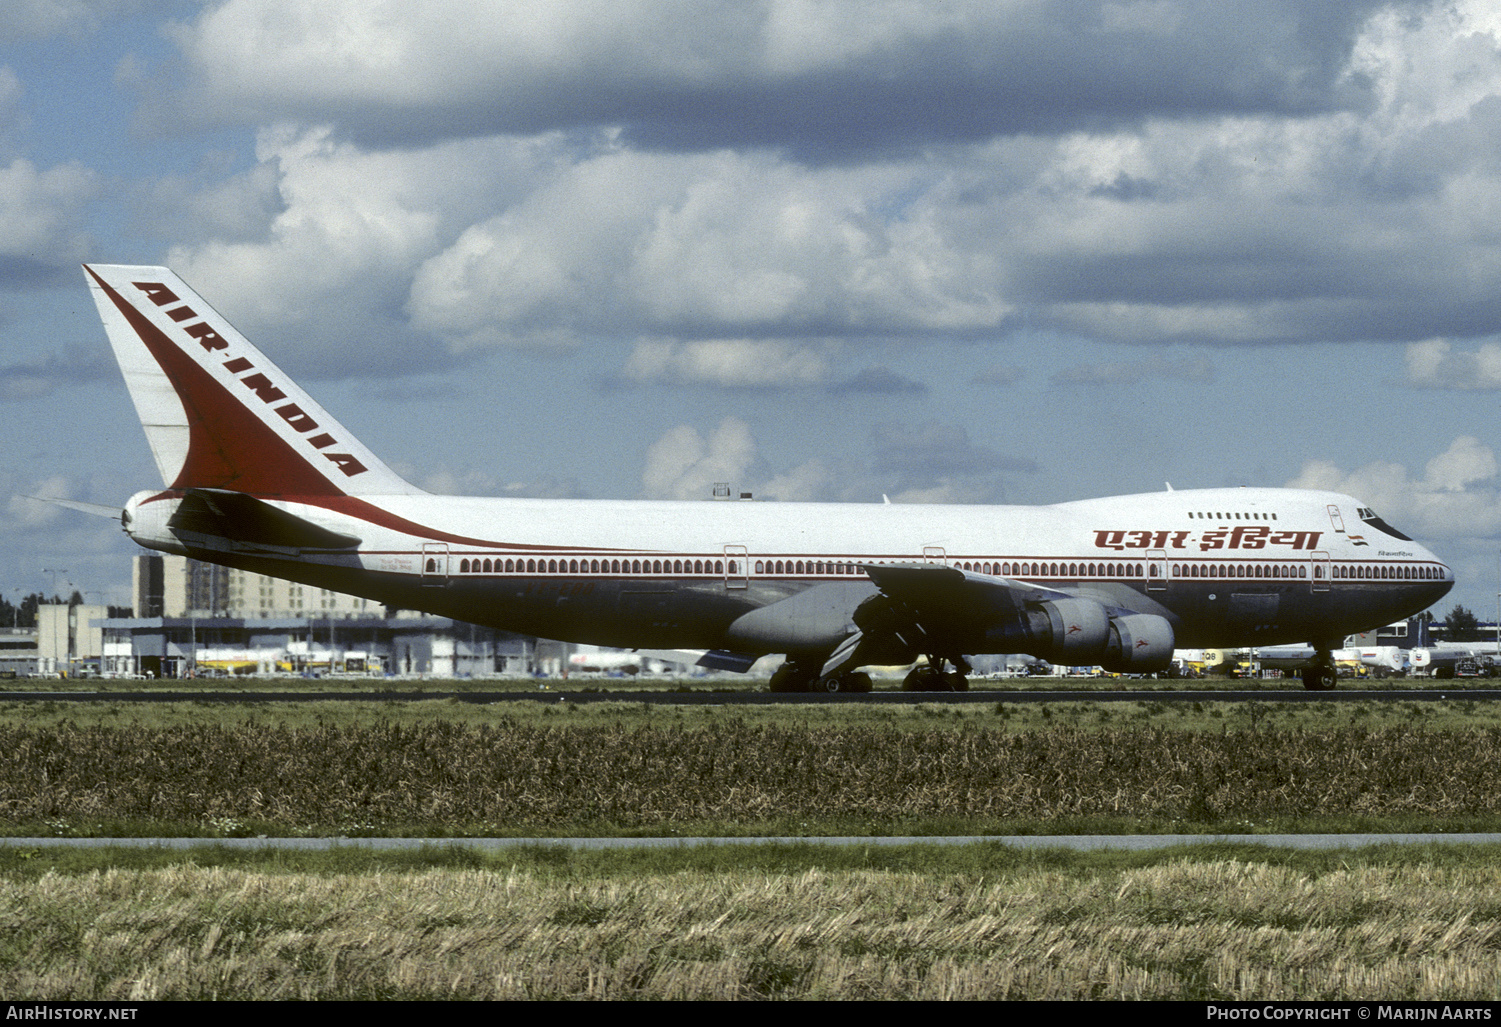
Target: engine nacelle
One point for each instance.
(1079, 632)
(1140, 644)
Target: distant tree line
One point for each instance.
(1462, 625)
(23, 615)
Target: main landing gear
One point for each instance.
(931, 677)
(851, 681)
(1320, 675)
(799, 677)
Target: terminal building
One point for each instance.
(18, 652)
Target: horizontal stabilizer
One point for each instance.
(96, 509)
(241, 518)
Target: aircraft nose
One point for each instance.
(1440, 587)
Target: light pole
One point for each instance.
(55, 571)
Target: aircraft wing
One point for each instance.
(935, 609)
(919, 602)
(250, 521)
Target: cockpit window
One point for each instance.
(1369, 516)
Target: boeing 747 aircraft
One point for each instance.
(257, 475)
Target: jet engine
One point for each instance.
(1140, 643)
(1076, 632)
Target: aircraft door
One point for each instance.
(736, 567)
(1335, 519)
(1319, 571)
(434, 564)
(1156, 570)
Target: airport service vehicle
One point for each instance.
(1444, 661)
(257, 475)
(1383, 660)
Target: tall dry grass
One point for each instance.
(1221, 930)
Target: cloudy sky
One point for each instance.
(1002, 251)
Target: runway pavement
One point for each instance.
(699, 697)
(1080, 842)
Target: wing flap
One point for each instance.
(711, 659)
(931, 584)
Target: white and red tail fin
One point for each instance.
(217, 413)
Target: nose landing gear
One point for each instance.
(1320, 675)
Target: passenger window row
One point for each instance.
(1005, 569)
(1389, 572)
(589, 565)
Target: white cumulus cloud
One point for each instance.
(42, 211)
(1457, 496)
(702, 245)
(726, 363)
(345, 230)
(1435, 364)
(686, 464)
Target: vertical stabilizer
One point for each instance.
(217, 413)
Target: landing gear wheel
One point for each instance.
(954, 681)
(857, 681)
(831, 683)
(791, 678)
(920, 679)
(1319, 679)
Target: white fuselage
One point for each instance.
(1227, 566)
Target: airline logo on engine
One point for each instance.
(264, 389)
(1243, 537)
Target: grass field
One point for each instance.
(753, 922)
(440, 768)
(749, 921)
